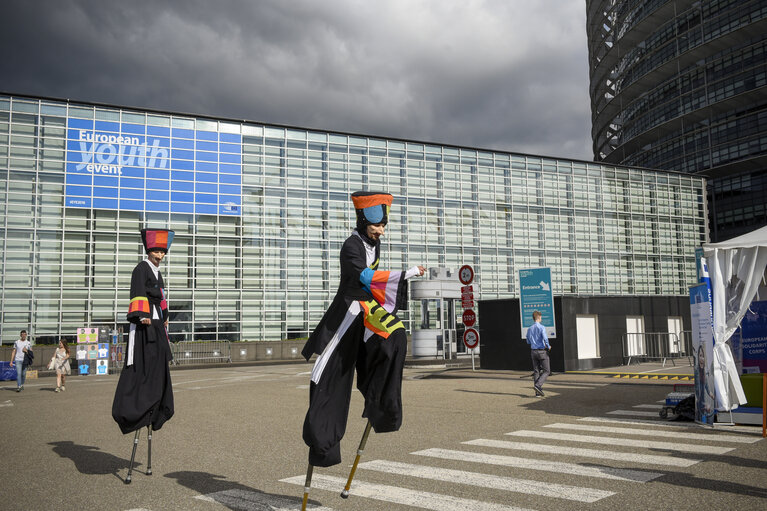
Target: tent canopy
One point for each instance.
(737, 269)
(757, 238)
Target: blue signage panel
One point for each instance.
(703, 354)
(535, 295)
(112, 165)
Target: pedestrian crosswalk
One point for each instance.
(584, 461)
(683, 446)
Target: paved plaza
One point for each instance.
(471, 440)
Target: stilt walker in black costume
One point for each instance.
(144, 395)
(361, 331)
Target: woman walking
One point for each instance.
(60, 363)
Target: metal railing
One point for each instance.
(656, 346)
(193, 352)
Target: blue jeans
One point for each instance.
(21, 373)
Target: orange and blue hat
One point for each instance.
(156, 239)
(371, 208)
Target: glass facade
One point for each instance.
(682, 85)
(260, 213)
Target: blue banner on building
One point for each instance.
(535, 294)
(124, 166)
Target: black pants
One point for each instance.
(379, 363)
(541, 367)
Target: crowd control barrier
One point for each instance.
(656, 346)
(195, 352)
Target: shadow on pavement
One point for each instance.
(90, 460)
(717, 485)
(234, 496)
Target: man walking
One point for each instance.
(540, 347)
(20, 348)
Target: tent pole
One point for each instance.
(764, 405)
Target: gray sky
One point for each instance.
(498, 74)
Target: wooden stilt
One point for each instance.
(345, 492)
(149, 455)
(132, 456)
(307, 485)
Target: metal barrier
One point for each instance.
(192, 352)
(686, 346)
(656, 346)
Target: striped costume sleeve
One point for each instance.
(138, 307)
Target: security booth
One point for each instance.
(437, 325)
(590, 330)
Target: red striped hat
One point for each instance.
(156, 239)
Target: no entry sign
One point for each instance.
(469, 318)
(471, 338)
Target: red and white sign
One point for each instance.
(467, 304)
(469, 318)
(466, 274)
(467, 289)
(471, 338)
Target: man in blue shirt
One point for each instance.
(540, 347)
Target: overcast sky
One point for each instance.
(509, 75)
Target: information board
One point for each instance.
(535, 294)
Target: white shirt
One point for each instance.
(19, 347)
(156, 272)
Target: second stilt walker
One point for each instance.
(361, 331)
(144, 395)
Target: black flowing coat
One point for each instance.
(144, 393)
(359, 331)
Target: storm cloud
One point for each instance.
(507, 75)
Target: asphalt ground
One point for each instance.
(235, 443)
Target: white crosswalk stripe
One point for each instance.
(605, 440)
(511, 484)
(649, 459)
(659, 423)
(601, 472)
(637, 413)
(655, 432)
(246, 500)
(652, 406)
(397, 495)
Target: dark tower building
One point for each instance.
(682, 85)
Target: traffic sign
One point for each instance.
(467, 304)
(467, 289)
(469, 318)
(466, 274)
(471, 338)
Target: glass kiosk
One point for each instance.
(439, 333)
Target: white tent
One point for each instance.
(737, 270)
